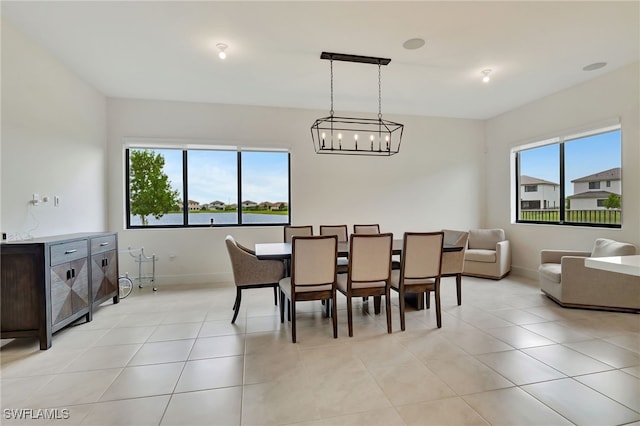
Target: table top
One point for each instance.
(629, 265)
(280, 251)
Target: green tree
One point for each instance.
(150, 188)
(612, 202)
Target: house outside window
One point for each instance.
(569, 171)
(201, 187)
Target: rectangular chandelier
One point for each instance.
(353, 135)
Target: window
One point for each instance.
(206, 187)
(531, 188)
(568, 170)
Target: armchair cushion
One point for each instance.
(485, 238)
(481, 255)
(604, 248)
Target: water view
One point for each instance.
(205, 219)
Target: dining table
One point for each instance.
(282, 251)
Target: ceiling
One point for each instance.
(166, 50)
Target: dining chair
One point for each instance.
(343, 237)
(366, 229)
(453, 261)
(251, 272)
(313, 276)
(420, 269)
(302, 230)
(369, 272)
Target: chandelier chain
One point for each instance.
(379, 91)
(331, 87)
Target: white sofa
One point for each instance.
(488, 254)
(566, 280)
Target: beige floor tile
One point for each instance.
(101, 357)
(513, 407)
(518, 337)
(209, 407)
(70, 338)
(476, 341)
(381, 417)
(628, 340)
(137, 411)
(144, 380)
(617, 385)
(271, 403)
(634, 371)
(211, 373)
(557, 332)
(262, 324)
(271, 341)
(519, 367)
(15, 392)
(221, 328)
(409, 382)
(607, 352)
(142, 319)
(166, 332)
(465, 375)
(37, 362)
(211, 347)
(430, 345)
(270, 366)
(73, 388)
(580, 404)
(161, 352)
(567, 361)
(518, 317)
(184, 317)
(449, 411)
(126, 335)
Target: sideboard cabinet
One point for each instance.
(48, 283)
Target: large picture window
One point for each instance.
(578, 179)
(206, 187)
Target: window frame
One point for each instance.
(560, 139)
(185, 185)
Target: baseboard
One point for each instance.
(525, 272)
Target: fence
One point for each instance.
(599, 216)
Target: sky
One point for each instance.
(212, 175)
(583, 157)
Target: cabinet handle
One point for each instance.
(104, 244)
(68, 274)
(70, 251)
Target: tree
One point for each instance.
(612, 202)
(150, 192)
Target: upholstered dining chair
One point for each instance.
(342, 233)
(302, 230)
(369, 272)
(366, 229)
(453, 261)
(251, 272)
(420, 269)
(313, 276)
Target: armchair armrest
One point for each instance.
(503, 256)
(555, 256)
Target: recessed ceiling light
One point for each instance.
(221, 50)
(414, 43)
(594, 66)
(485, 75)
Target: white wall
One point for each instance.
(613, 95)
(436, 180)
(53, 143)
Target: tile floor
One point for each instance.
(508, 355)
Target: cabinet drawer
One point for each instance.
(102, 244)
(67, 252)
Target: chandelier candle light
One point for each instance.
(384, 136)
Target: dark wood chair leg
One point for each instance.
(438, 312)
(334, 317)
(349, 316)
(459, 288)
(282, 307)
(377, 302)
(402, 306)
(236, 306)
(293, 321)
(275, 295)
(387, 299)
(428, 302)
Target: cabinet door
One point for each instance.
(104, 274)
(69, 289)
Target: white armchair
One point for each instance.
(566, 280)
(488, 254)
